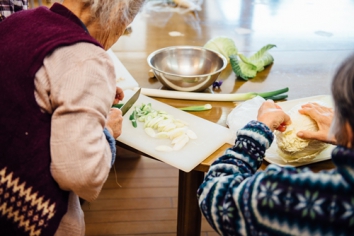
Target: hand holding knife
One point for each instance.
(128, 104)
(113, 125)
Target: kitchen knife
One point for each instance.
(128, 104)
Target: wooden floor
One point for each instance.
(146, 204)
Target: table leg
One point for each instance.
(188, 215)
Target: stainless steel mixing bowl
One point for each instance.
(186, 68)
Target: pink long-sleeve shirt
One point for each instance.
(76, 84)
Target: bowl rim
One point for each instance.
(222, 57)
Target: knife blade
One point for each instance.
(128, 104)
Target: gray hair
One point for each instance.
(113, 12)
(343, 97)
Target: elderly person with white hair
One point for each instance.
(57, 127)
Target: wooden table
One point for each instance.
(312, 38)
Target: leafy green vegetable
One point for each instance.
(224, 45)
(244, 67)
(247, 68)
(262, 58)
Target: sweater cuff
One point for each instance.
(112, 144)
(258, 131)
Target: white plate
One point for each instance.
(272, 155)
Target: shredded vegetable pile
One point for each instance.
(244, 67)
(161, 125)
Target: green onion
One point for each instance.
(233, 97)
(273, 93)
(133, 119)
(118, 105)
(196, 108)
(277, 97)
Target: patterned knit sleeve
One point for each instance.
(228, 174)
(236, 199)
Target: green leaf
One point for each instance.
(224, 45)
(242, 69)
(262, 58)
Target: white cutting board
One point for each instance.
(211, 136)
(123, 78)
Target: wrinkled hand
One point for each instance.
(273, 116)
(119, 95)
(114, 122)
(323, 117)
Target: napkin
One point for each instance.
(242, 114)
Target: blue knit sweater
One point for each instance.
(238, 200)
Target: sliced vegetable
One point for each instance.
(150, 132)
(181, 142)
(132, 118)
(196, 108)
(191, 134)
(164, 148)
(159, 124)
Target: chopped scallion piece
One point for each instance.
(197, 108)
(133, 119)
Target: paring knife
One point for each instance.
(128, 104)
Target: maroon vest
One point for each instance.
(31, 202)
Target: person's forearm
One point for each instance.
(227, 174)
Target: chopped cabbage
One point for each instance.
(291, 148)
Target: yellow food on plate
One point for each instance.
(291, 148)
